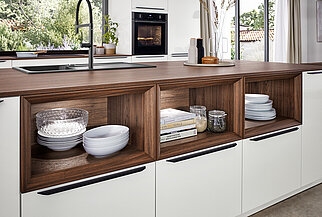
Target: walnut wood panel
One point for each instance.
(127, 110)
(15, 83)
(255, 128)
(132, 107)
(239, 105)
(175, 98)
(216, 98)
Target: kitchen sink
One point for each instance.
(80, 67)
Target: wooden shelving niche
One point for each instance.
(134, 108)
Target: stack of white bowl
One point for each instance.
(259, 107)
(105, 140)
(61, 129)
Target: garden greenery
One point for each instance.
(45, 24)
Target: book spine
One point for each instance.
(176, 129)
(177, 124)
(176, 119)
(178, 135)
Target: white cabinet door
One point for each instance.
(5, 64)
(43, 62)
(115, 59)
(184, 23)
(206, 183)
(158, 5)
(9, 161)
(130, 192)
(271, 167)
(312, 127)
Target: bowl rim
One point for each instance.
(100, 127)
(61, 109)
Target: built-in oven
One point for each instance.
(150, 34)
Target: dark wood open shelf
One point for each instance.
(135, 108)
(254, 128)
(201, 141)
(215, 95)
(286, 93)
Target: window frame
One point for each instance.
(266, 30)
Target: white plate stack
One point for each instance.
(61, 129)
(106, 140)
(259, 107)
(60, 143)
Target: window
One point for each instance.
(27, 25)
(255, 38)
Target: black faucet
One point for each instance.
(90, 26)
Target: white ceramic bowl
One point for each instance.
(106, 133)
(102, 144)
(103, 152)
(257, 98)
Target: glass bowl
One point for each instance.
(61, 121)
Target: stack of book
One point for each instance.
(176, 124)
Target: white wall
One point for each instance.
(311, 49)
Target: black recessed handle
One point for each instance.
(198, 154)
(1, 100)
(160, 9)
(91, 181)
(2, 61)
(260, 138)
(314, 73)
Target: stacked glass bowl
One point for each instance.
(61, 129)
(105, 140)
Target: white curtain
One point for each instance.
(288, 32)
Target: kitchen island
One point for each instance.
(134, 98)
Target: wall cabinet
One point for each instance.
(205, 183)
(9, 161)
(125, 193)
(183, 25)
(271, 166)
(312, 137)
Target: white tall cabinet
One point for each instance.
(271, 166)
(130, 192)
(206, 183)
(184, 23)
(312, 120)
(9, 161)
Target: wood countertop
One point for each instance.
(16, 83)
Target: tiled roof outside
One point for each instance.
(14, 25)
(255, 35)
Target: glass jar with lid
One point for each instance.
(217, 121)
(201, 117)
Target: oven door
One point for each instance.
(149, 37)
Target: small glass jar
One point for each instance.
(201, 117)
(217, 121)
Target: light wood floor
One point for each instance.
(305, 204)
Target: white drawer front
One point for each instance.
(129, 195)
(208, 185)
(156, 58)
(9, 161)
(271, 167)
(43, 62)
